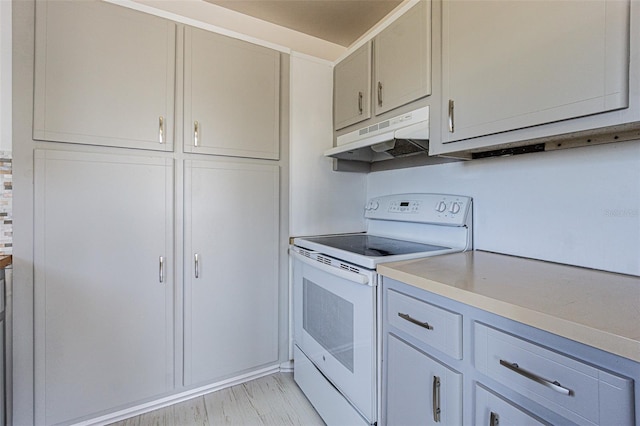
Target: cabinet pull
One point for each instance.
(407, 317)
(196, 262)
(161, 269)
(161, 129)
(196, 133)
(360, 103)
(555, 385)
(436, 399)
(451, 128)
(379, 93)
(494, 419)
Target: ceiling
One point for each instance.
(338, 21)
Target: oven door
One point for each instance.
(335, 327)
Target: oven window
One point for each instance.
(328, 318)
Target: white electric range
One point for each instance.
(336, 302)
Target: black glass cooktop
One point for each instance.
(370, 245)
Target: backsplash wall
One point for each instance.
(6, 194)
(577, 206)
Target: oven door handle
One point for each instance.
(351, 276)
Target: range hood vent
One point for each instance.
(400, 136)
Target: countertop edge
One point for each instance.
(612, 343)
(5, 260)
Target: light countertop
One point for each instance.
(599, 309)
(5, 260)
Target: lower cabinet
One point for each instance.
(420, 390)
(491, 410)
(507, 373)
(231, 268)
(104, 286)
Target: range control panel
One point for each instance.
(444, 209)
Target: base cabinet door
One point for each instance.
(231, 268)
(419, 389)
(492, 410)
(104, 75)
(231, 97)
(103, 283)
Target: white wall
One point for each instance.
(321, 201)
(577, 206)
(5, 75)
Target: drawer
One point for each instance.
(573, 389)
(436, 327)
(492, 410)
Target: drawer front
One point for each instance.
(491, 410)
(437, 327)
(575, 390)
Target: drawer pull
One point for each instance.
(555, 385)
(436, 399)
(494, 419)
(407, 317)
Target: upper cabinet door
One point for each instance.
(231, 97)
(104, 75)
(352, 88)
(402, 57)
(513, 64)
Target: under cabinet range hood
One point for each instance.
(400, 136)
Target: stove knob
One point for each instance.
(455, 208)
(375, 205)
(441, 207)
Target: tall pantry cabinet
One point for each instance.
(157, 259)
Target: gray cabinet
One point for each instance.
(509, 373)
(419, 389)
(492, 410)
(402, 59)
(104, 75)
(103, 284)
(352, 88)
(231, 268)
(396, 73)
(231, 97)
(513, 65)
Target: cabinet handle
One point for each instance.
(494, 419)
(196, 262)
(196, 133)
(161, 269)
(161, 129)
(451, 116)
(407, 317)
(379, 93)
(436, 399)
(555, 385)
(360, 103)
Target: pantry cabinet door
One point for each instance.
(103, 282)
(104, 75)
(231, 268)
(513, 64)
(232, 97)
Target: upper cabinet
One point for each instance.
(352, 88)
(397, 72)
(104, 75)
(510, 65)
(402, 59)
(231, 97)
